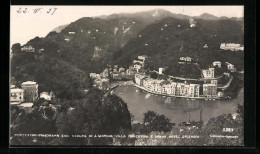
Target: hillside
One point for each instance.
(89, 44)
(167, 40)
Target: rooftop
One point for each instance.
(17, 90)
(28, 82)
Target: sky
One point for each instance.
(26, 25)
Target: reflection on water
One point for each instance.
(176, 109)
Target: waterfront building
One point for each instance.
(28, 49)
(186, 90)
(16, 95)
(30, 91)
(208, 73)
(217, 63)
(139, 79)
(220, 94)
(194, 90)
(173, 88)
(209, 90)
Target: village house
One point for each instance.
(16, 95)
(208, 73)
(209, 90)
(194, 90)
(28, 49)
(217, 63)
(30, 91)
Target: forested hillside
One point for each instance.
(167, 40)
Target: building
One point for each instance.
(102, 84)
(28, 49)
(16, 95)
(30, 91)
(231, 46)
(230, 67)
(161, 70)
(208, 73)
(139, 79)
(186, 59)
(72, 33)
(220, 94)
(45, 95)
(121, 69)
(209, 90)
(215, 82)
(205, 46)
(194, 90)
(217, 63)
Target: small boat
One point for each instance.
(120, 93)
(213, 99)
(137, 90)
(147, 96)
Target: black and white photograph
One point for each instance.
(126, 75)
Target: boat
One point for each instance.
(137, 90)
(147, 96)
(120, 93)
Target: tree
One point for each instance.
(153, 75)
(155, 122)
(16, 47)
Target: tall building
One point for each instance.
(30, 91)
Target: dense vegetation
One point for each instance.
(166, 44)
(96, 114)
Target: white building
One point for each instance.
(72, 33)
(28, 49)
(194, 90)
(30, 90)
(210, 90)
(230, 66)
(16, 95)
(231, 46)
(45, 95)
(208, 73)
(187, 59)
(217, 63)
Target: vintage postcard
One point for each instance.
(126, 75)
